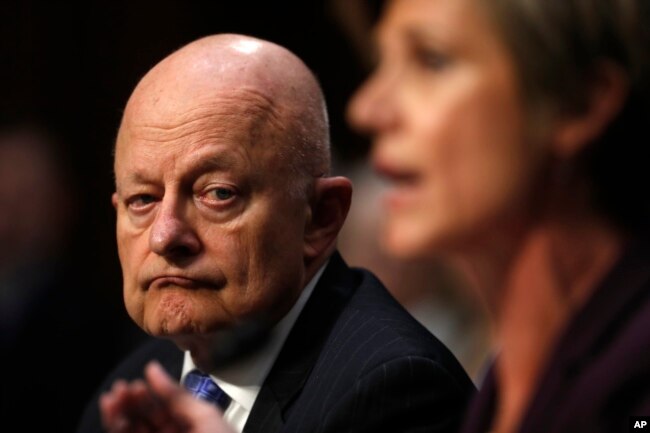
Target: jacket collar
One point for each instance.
(302, 347)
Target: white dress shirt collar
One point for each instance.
(243, 380)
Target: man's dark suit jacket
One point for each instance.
(599, 374)
(355, 361)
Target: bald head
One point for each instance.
(249, 77)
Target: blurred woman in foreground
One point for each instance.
(512, 131)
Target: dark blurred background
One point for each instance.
(66, 73)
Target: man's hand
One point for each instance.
(160, 405)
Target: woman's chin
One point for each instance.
(404, 243)
(410, 239)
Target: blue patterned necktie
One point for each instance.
(201, 386)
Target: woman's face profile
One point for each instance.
(448, 123)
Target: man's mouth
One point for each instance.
(168, 281)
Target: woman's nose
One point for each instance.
(372, 109)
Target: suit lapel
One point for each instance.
(171, 358)
(175, 366)
(301, 350)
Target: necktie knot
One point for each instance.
(203, 387)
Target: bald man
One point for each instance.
(227, 213)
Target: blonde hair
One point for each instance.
(557, 46)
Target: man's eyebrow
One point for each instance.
(215, 162)
(137, 177)
(132, 179)
(200, 165)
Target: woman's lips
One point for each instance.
(404, 188)
(401, 195)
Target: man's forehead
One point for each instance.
(244, 115)
(175, 103)
(245, 125)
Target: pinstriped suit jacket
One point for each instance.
(354, 361)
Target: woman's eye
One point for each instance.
(431, 59)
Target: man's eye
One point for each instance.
(222, 193)
(140, 201)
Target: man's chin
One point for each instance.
(173, 327)
(182, 332)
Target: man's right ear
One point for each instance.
(114, 200)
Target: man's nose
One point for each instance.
(172, 234)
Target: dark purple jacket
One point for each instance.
(599, 373)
